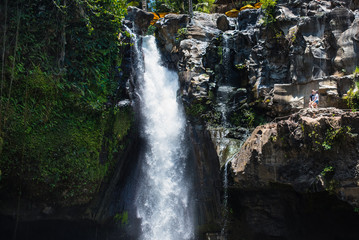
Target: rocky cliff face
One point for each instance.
(238, 73)
(301, 172)
(312, 44)
(313, 150)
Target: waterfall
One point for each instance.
(225, 88)
(163, 200)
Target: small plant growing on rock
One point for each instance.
(241, 66)
(278, 34)
(353, 93)
(327, 175)
(331, 137)
(356, 72)
(327, 171)
(151, 30)
(273, 138)
(181, 34)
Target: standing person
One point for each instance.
(311, 99)
(316, 99)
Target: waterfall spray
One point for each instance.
(163, 201)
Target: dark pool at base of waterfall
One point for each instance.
(318, 224)
(56, 230)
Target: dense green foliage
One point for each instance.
(58, 87)
(204, 6)
(180, 6)
(268, 7)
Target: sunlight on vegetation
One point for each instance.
(353, 93)
(268, 7)
(204, 6)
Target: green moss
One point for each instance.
(123, 122)
(121, 218)
(196, 110)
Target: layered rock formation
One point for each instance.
(231, 73)
(312, 45)
(312, 150)
(285, 171)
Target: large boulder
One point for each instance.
(140, 18)
(203, 26)
(313, 150)
(223, 23)
(347, 54)
(168, 28)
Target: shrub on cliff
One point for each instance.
(268, 7)
(353, 94)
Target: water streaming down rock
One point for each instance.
(226, 58)
(224, 90)
(225, 199)
(227, 85)
(225, 195)
(163, 201)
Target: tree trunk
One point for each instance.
(3, 65)
(144, 5)
(61, 61)
(12, 76)
(3, 52)
(190, 8)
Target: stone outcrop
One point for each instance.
(167, 33)
(223, 23)
(140, 19)
(297, 173)
(313, 150)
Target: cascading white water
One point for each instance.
(163, 199)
